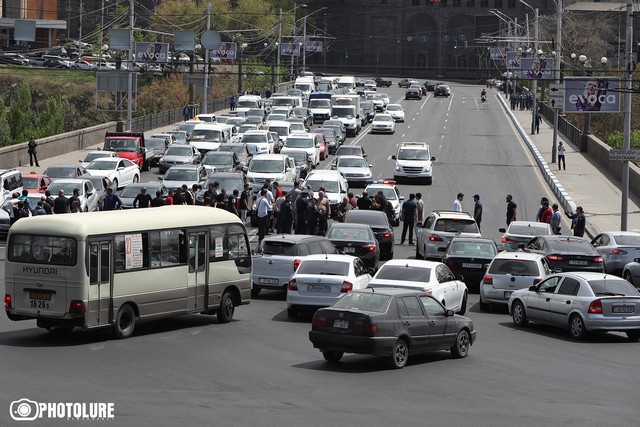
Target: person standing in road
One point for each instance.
(325, 213)
(244, 202)
(61, 203)
(8, 206)
(364, 202)
(32, 149)
(142, 200)
(542, 207)
(158, 200)
(263, 206)
(512, 209)
(420, 215)
(561, 152)
(285, 216)
(312, 217)
(547, 213)
(556, 220)
(578, 221)
(477, 210)
(409, 215)
(457, 203)
(111, 202)
(301, 208)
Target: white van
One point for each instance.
(333, 182)
(282, 128)
(247, 102)
(10, 182)
(289, 102)
(347, 82)
(208, 136)
(276, 167)
(304, 141)
(306, 85)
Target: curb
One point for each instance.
(554, 184)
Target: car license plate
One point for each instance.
(264, 281)
(623, 309)
(578, 262)
(471, 265)
(349, 250)
(342, 324)
(507, 294)
(318, 288)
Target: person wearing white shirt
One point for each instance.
(263, 206)
(457, 203)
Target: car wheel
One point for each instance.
(577, 329)
(484, 306)
(136, 178)
(460, 347)
(463, 306)
(125, 322)
(634, 336)
(399, 354)
(227, 308)
(332, 356)
(518, 314)
(255, 291)
(115, 184)
(627, 276)
(292, 313)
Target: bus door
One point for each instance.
(100, 281)
(197, 281)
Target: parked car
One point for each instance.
(470, 257)
(567, 253)
(380, 225)
(432, 277)
(320, 280)
(64, 171)
(95, 154)
(88, 198)
(179, 154)
(509, 272)
(120, 171)
(582, 302)
(520, 232)
(36, 182)
(439, 228)
(131, 191)
(617, 249)
(357, 240)
(394, 323)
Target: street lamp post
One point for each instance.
(558, 76)
(534, 84)
(241, 47)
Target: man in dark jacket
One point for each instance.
(285, 216)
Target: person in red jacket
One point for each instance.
(547, 212)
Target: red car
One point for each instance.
(324, 146)
(36, 182)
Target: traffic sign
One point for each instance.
(556, 96)
(630, 155)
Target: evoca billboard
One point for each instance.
(592, 95)
(536, 68)
(152, 52)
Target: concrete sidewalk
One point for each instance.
(584, 183)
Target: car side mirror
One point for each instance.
(442, 249)
(450, 313)
(433, 158)
(557, 270)
(533, 288)
(371, 271)
(401, 198)
(419, 224)
(502, 230)
(160, 178)
(521, 246)
(80, 161)
(393, 157)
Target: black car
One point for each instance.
(380, 225)
(382, 82)
(368, 110)
(413, 93)
(394, 323)
(567, 253)
(430, 86)
(441, 90)
(469, 257)
(222, 161)
(303, 162)
(357, 240)
(331, 136)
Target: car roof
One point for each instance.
(349, 225)
(412, 263)
(452, 214)
(365, 214)
(292, 238)
(329, 257)
(351, 156)
(472, 239)
(390, 291)
(325, 173)
(519, 255)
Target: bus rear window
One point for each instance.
(48, 250)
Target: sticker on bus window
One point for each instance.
(133, 251)
(219, 250)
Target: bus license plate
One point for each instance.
(623, 309)
(318, 288)
(342, 324)
(40, 295)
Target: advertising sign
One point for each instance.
(290, 49)
(227, 50)
(313, 46)
(499, 53)
(514, 59)
(592, 95)
(152, 52)
(536, 68)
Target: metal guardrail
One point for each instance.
(569, 131)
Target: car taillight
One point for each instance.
(386, 234)
(370, 248)
(598, 259)
(508, 240)
(365, 327)
(488, 280)
(435, 238)
(7, 301)
(555, 258)
(537, 280)
(618, 252)
(346, 286)
(76, 307)
(296, 263)
(595, 307)
(318, 321)
(293, 285)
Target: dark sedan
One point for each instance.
(404, 83)
(380, 225)
(382, 82)
(567, 253)
(394, 323)
(442, 90)
(413, 93)
(357, 240)
(221, 161)
(469, 257)
(430, 86)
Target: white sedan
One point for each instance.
(320, 280)
(121, 172)
(396, 111)
(383, 122)
(89, 198)
(432, 277)
(96, 154)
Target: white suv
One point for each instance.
(438, 230)
(414, 162)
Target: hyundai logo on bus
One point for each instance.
(40, 270)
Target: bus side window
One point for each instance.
(93, 264)
(238, 247)
(217, 249)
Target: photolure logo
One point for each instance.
(28, 410)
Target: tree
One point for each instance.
(20, 115)
(5, 131)
(51, 120)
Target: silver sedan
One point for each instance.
(617, 249)
(580, 302)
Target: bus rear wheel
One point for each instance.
(125, 322)
(227, 308)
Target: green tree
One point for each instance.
(20, 114)
(51, 121)
(5, 131)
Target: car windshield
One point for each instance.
(255, 113)
(382, 118)
(278, 248)
(122, 145)
(351, 162)
(228, 183)
(572, 245)
(188, 127)
(627, 240)
(394, 107)
(245, 128)
(92, 156)
(376, 221)
(283, 102)
(404, 273)
(220, 159)
(329, 134)
(132, 191)
(372, 301)
(478, 249)
(102, 165)
(206, 135)
(349, 151)
(412, 154)
(154, 143)
(299, 111)
(320, 103)
(515, 267)
(456, 225)
(97, 181)
(234, 148)
(280, 130)
(30, 182)
(389, 193)
(324, 267)
(255, 138)
(174, 174)
(300, 157)
(329, 186)
(185, 151)
(259, 165)
(68, 187)
(613, 287)
(346, 233)
(343, 111)
(297, 126)
(180, 136)
(294, 142)
(528, 229)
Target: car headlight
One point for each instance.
(398, 168)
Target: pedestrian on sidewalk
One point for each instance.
(232, 103)
(538, 119)
(185, 112)
(477, 210)
(409, 215)
(33, 151)
(561, 153)
(556, 220)
(457, 203)
(512, 209)
(578, 221)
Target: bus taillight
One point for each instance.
(76, 307)
(7, 301)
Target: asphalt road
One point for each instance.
(261, 369)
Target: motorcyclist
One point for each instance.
(483, 94)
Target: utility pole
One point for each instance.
(279, 49)
(130, 68)
(206, 65)
(304, 44)
(80, 30)
(534, 85)
(628, 73)
(558, 76)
